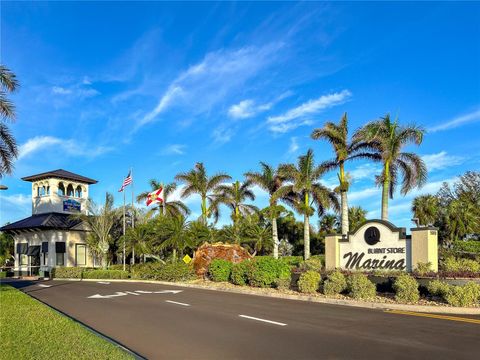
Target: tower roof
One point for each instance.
(62, 174)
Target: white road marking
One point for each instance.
(132, 293)
(168, 292)
(263, 320)
(98, 296)
(136, 293)
(143, 292)
(178, 303)
(103, 282)
(43, 285)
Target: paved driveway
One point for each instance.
(169, 322)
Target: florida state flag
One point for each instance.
(155, 197)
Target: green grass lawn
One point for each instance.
(31, 330)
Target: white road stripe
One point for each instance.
(133, 293)
(263, 320)
(103, 282)
(178, 303)
(43, 285)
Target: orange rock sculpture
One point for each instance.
(207, 252)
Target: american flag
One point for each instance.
(127, 181)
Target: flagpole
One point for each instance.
(124, 226)
(133, 207)
(164, 205)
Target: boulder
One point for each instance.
(207, 252)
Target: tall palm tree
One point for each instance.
(234, 196)
(8, 145)
(270, 181)
(198, 182)
(345, 149)
(388, 138)
(100, 221)
(304, 190)
(137, 238)
(426, 209)
(357, 216)
(328, 224)
(175, 234)
(172, 208)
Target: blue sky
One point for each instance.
(160, 86)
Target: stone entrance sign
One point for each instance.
(380, 245)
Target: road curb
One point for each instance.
(352, 303)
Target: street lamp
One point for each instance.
(3, 187)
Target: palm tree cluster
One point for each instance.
(297, 186)
(455, 210)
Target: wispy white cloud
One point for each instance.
(207, 83)
(249, 107)
(364, 171)
(80, 90)
(293, 145)
(174, 149)
(296, 117)
(68, 146)
(222, 135)
(441, 160)
(458, 121)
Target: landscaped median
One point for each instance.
(31, 330)
(293, 278)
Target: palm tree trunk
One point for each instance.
(275, 237)
(133, 255)
(204, 209)
(104, 260)
(174, 255)
(385, 191)
(345, 224)
(306, 237)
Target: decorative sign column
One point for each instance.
(379, 245)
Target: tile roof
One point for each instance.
(60, 173)
(44, 221)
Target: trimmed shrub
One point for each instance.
(406, 289)
(283, 283)
(470, 246)
(3, 274)
(452, 264)
(360, 287)
(466, 295)
(264, 271)
(67, 272)
(335, 283)
(105, 274)
(315, 263)
(438, 288)
(119, 267)
(219, 270)
(423, 268)
(309, 282)
(178, 271)
(238, 275)
(291, 260)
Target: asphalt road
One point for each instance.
(203, 324)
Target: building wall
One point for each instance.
(44, 202)
(70, 237)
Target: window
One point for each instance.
(80, 254)
(60, 259)
(70, 191)
(23, 259)
(45, 259)
(43, 191)
(48, 190)
(38, 191)
(61, 189)
(78, 191)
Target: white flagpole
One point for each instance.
(133, 207)
(163, 201)
(124, 226)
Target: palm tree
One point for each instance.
(337, 136)
(137, 239)
(100, 221)
(234, 197)
(304, 190)
(328, 224)
(425, 208)
(172, 208)
(357, 216)
(198, 182)
(8, 145)
(269, 180)
(175, 234)
(388, 138)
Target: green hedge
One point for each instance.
(406, 289)
(238, 275)
(452, 264)
(105, 274)
(67, 272)
(3, 274)
(360, 287)
(309, 282)
(292, 260)
(466, 295)
(470, 246)
(335, 283)
(315, 263)
(220, 270)
(178, 271)
(265, 271)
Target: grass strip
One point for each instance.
(31, 330)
